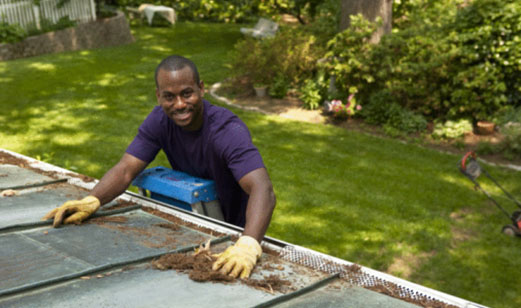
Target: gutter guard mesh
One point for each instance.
(356, 276)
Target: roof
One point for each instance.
(111, 259)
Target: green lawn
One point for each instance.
(394, 207)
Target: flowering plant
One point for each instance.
(342, 111)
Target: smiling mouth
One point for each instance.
(183, 115)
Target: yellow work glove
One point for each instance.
(239, 258)
(78, 211)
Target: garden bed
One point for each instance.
(290, 107)
(105, 32)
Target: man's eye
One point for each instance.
(168, 97)
(187, 94)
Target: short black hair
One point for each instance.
(175, 63)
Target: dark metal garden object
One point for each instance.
(470, 167)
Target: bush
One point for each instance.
(507, 115)
(15, 33)
(11, 33)
(452, 129)
(47, 25)
(105, 11)
(511, 144)
(209, 10)
(384, 110)
(251, 61)
(279, 87)
(447, 61)
(347, 56)
(327, 19)
(509, 122)
(405, 120)
(377, 111)
(310, 95)
(291, 56)
(487, 32)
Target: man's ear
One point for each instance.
(201, 87)
(158, 95)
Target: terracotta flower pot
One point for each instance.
(485, 127)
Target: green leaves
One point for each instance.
(466, 64)
(11, 33)
(288, 59)
(310, 95)
(452, 129)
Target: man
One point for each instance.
(200, 139)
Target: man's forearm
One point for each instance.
(111, 185)
(258, 215)
(117, 179)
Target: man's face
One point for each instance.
(181, 97)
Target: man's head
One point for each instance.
(180, 92)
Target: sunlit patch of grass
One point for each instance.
(43, 66)
(106, 79)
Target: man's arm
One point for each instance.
(261, 202)
(113, 183)
(117, 179)
(239, 259)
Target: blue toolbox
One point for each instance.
(180, 190)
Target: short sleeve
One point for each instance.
(146, 144)
(238, 150)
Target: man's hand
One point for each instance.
(78, 211)
(239, 258)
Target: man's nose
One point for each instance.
(179, 103)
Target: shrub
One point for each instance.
(446, 61)
(251, 61)
(452, 129)
(105, 8)
(310, 95)
(384, 110)
(511, 143)
(376, 112)
(207, 10)
(11, 33)
(279, 86)
(485, 148)
(509, 121)
(405, 120)
(291, 55)
(487, 32)
(47, 25)
(215, 10)
(347, 55)
(507, 115)
(327, 19)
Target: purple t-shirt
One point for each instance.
(222, 150)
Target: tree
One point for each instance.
(370, 9)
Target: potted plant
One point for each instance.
(485, 127)
(260, 88)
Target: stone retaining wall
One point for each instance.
(100, 33)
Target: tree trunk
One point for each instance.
(370, 9)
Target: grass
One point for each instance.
(391, 206)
